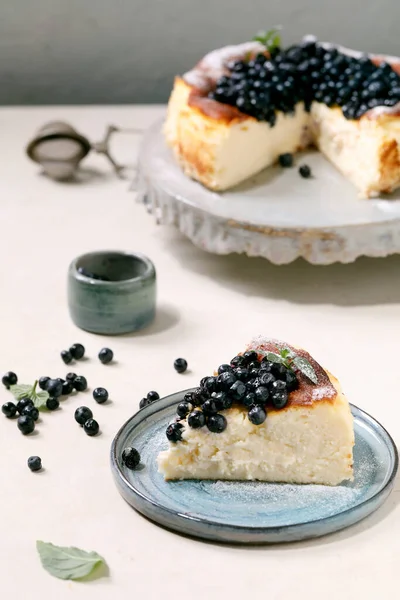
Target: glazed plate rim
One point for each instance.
(129, 488)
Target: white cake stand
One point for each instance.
(276, 214)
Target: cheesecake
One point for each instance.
(243, 107)
(272, 414)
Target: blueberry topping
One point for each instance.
(77, 351)
(279, 399)
(91, 427)
(54, 388)
(216, 423)
(278, 386)
(209, 384)
(43, 381)
(250, 357)
(196, 419)
(67, 388)
(291, 381)
(52, 403)
(266, 379)
(210, 407)
(180, 365)
(9, 410)
(9, 378)
(238, 361)
(83, 414)
(262, 394)
(106, 355)
(26, 424)
(66, 356)
(183, 409)
(100, 394)
(237, 391)
(224, 369)
(225, 381)
(222, 400)
(198, 397)
(241, 373)
(35, 463)
(305, 170)
(31, 411)
(279, 371)
(80, 383)
(286, 160)
(174, 432)
(23, 403)
(257, 415)
(130, 457)
(152, 396)
(249, 399)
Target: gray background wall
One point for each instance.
(122, 51)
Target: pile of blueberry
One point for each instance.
(306, 72)
(247, 381)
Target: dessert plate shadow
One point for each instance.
(250, 512)
(275, 214)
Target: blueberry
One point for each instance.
(210, 407)
(238, 361)
(66, 356)
(222, 400)
(67, 388)
(198, 397)
(35, 463)
(152, 396)
(249, 399)
(52, 403)
(209, 384)
(255, 364)
(9, 410)
(286, 160)
(262, 394)
(292, 382)
(144, 402)
(196, 419)
(242, 373)
(26, 424)
(237, 391)
(225, 381)
(106, 355)
(183, 409)
(23, 403)
(70, 377)
(250, 356)
(267, 365)
(257, 415)
(83, 414)
(91, 427)
(216, 423)
(31, 411)
(279, 399)
(188, 397)
(278, 386)
(80, 383)
(305, 171)
(224, 369)
(180, 365)
(100, 394)
(279, 371)
(266, 379)
(8, 379)
(43, 381)
(54, 388)
(77, 351)
(174, 432)
(130, 457)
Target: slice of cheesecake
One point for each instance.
(226, 121)
(298, 431)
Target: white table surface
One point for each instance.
(208, 307)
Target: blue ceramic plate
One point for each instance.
(251, 512)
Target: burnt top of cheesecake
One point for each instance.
(245, 80)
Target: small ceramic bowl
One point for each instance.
(112, 292)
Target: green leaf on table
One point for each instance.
(21, 390)
(306, 368)
(270, 39)
(67, 563)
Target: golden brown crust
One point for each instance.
(389, 161)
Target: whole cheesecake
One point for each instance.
(243, 108)
(271, 414)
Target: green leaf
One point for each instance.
(306, 368)
(67, 563)
(275, 358)
(270, 39)
(285, 352)
(21, 390)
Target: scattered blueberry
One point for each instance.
(305, 171)
(31, 411)
(9, 410)
(152, 396)
(23, 403)
(66, 356)
(83, 414)
(52, 403)
(257, 415)
(91, 427)
(174, 432)
(180, 365)
(69, 377)
(35, 463)
(144, 402)
(26, 424)
(77, 351)
(54, 388)
(216, 423)
(286, 160)
(100, 394)
(80, 383)
(67, 388)
(9, 378)
(196, 419)
(130, 458)
(106, 355)
(43, 381)
(183, 409)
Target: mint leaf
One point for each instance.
(270, 39)
(306, 368)
(21, 390)
(275, 358)
(67, 563)
(285, 352)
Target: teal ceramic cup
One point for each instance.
(112, 292)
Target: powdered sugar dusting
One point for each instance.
(319, 393)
